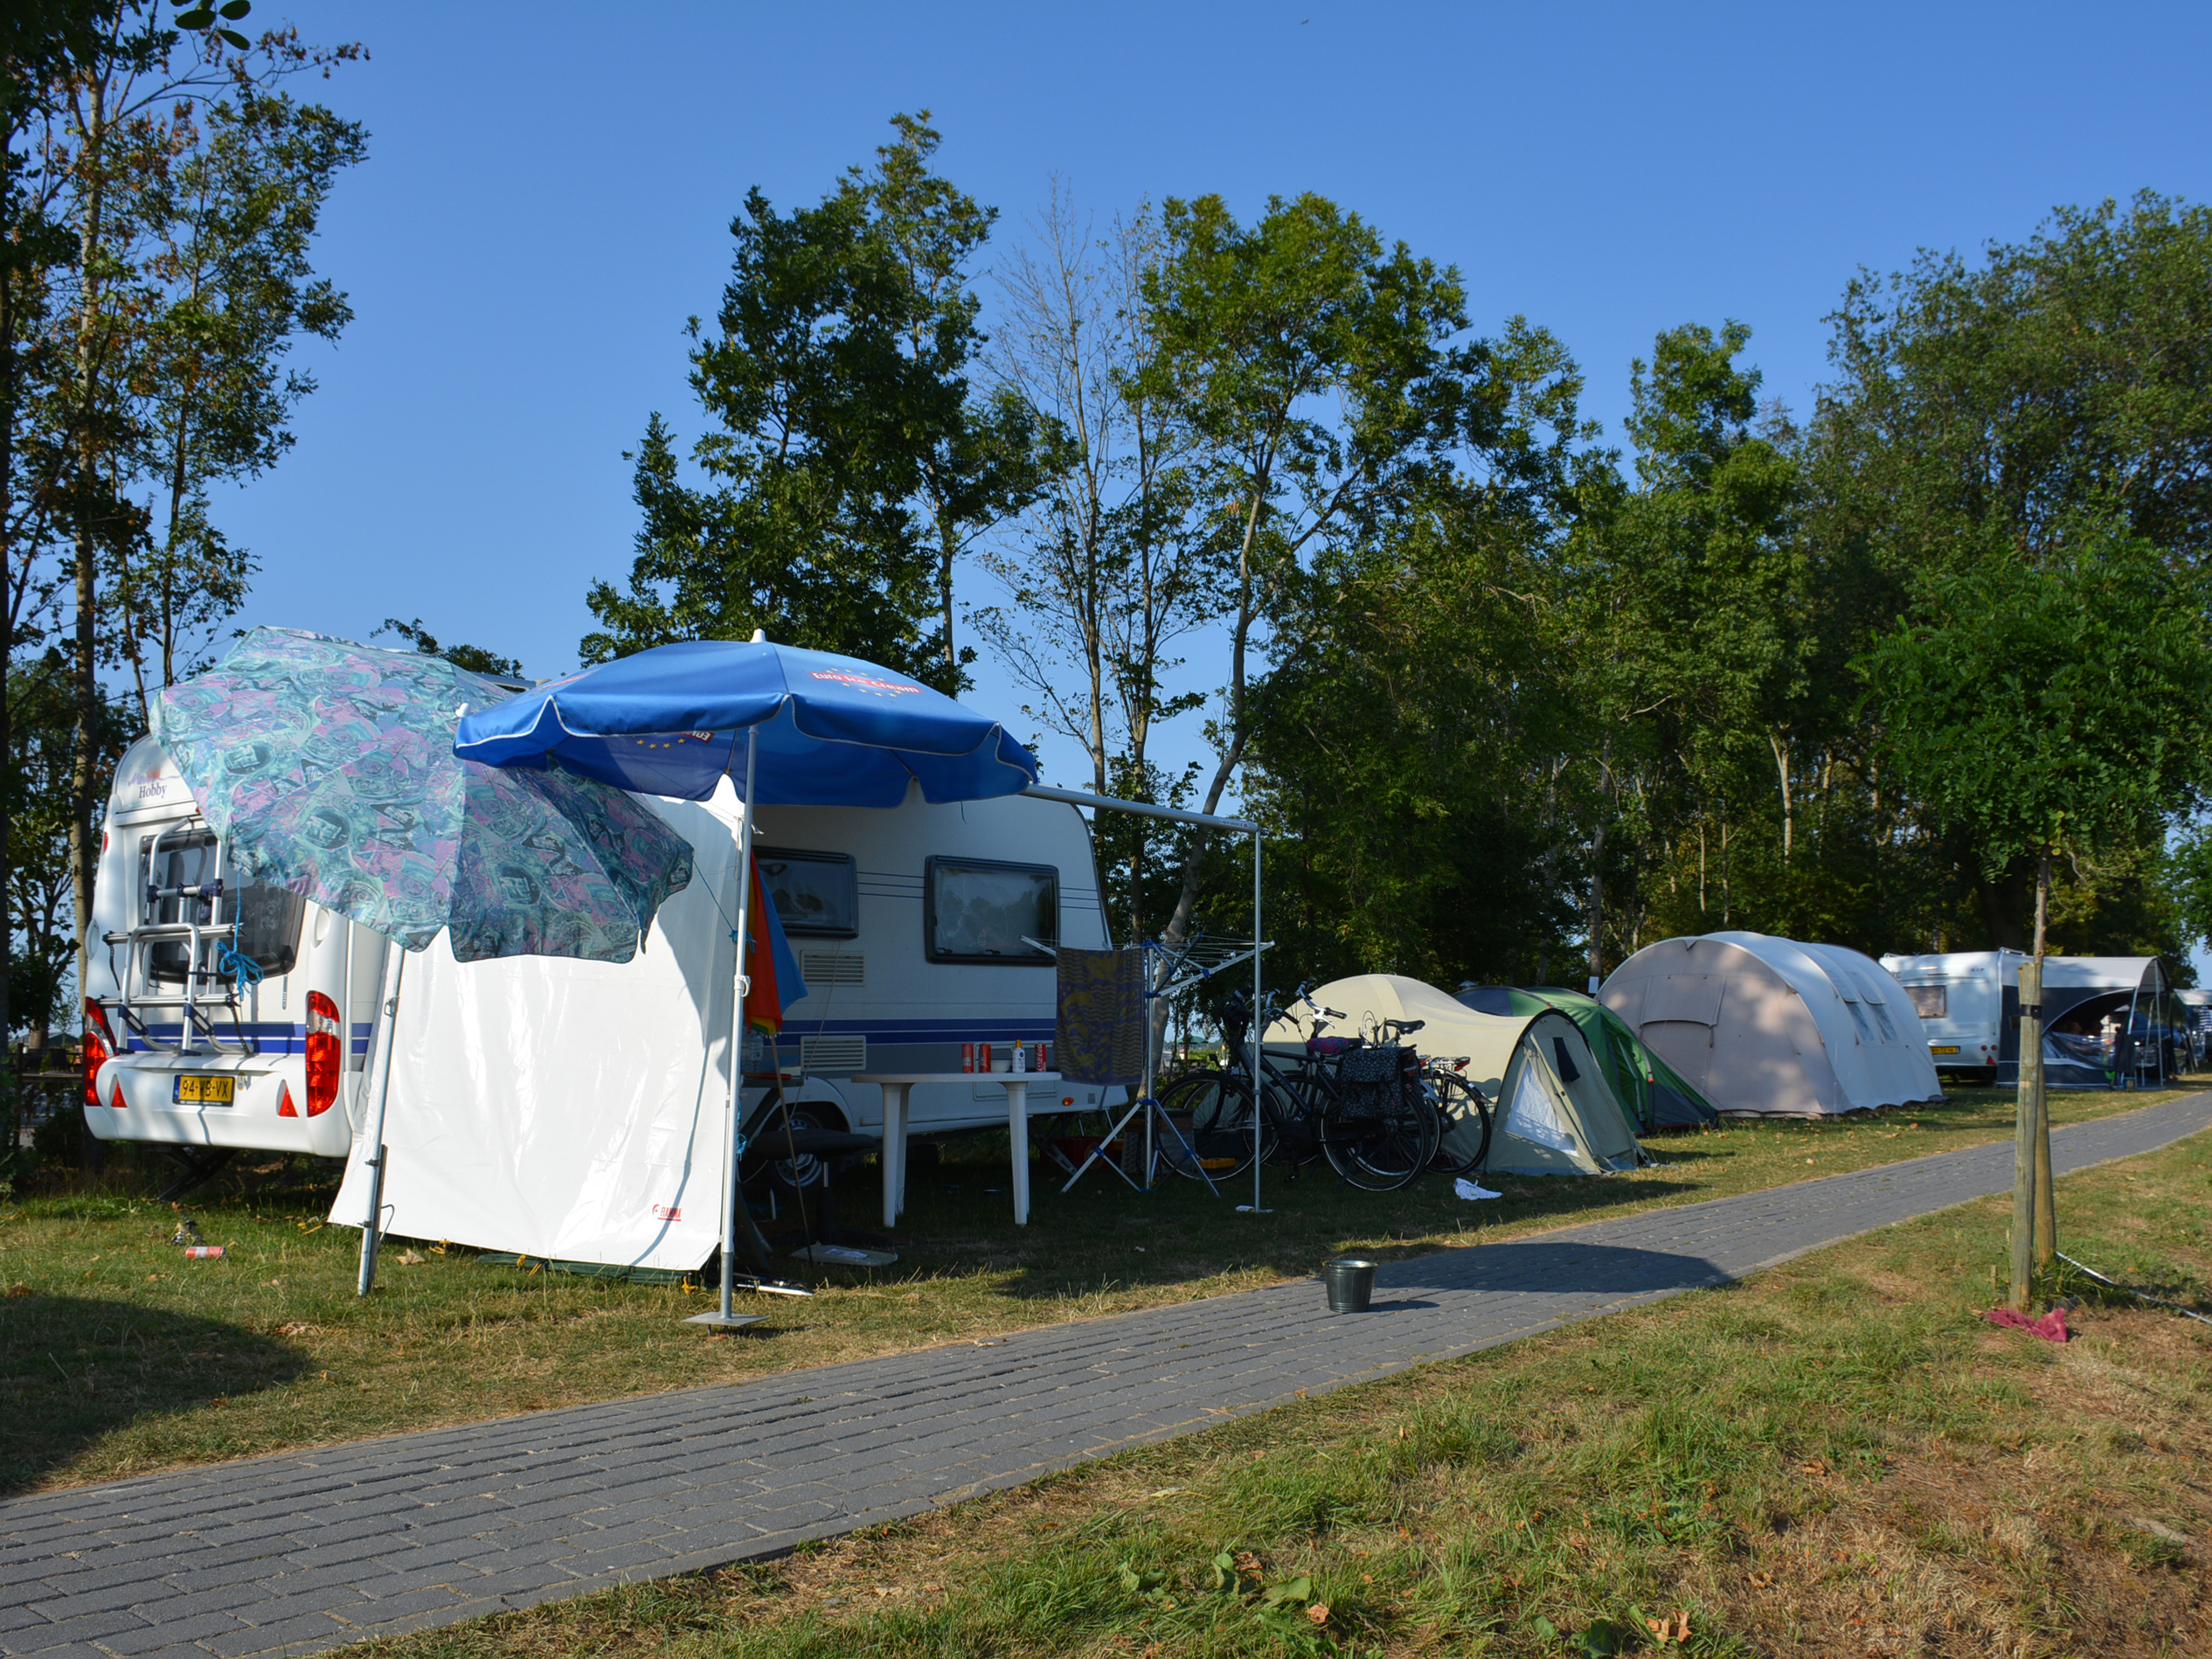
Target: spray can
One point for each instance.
(968, 1056)
(982, 1057)
(1044, 1057)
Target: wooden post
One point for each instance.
(2031, 1050)
(2046, 1190)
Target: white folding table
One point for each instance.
(895, 1086)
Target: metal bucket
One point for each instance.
(1351, 1284)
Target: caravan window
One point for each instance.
(981, 912)
(1930, 1001)
(815, 893)
(268, 918)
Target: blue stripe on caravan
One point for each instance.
(982, 1029)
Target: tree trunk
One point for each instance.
(1598, 867)
(1782, 765)
(85, 744)
(1551, 865)
(2022, 1242)
(9, 391)
(1728, 896)
(1596, 907)
(944, 547)
(1179, 923)
(2046, 1198)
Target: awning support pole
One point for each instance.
(1259, 1023)
(395, 963)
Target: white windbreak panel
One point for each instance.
(568, 1109)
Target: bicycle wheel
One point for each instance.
(1378, 1136)
(1213, 1111)
(1464, 1125)
(1300, 1101)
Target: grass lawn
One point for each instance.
(1837, 1457)
(119, 1356)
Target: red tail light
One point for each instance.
(326, 1055)
(99, 1049)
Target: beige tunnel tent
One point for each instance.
(1553, 1112)
(1767, 1027)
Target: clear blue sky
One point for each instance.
(549, 186)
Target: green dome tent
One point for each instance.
(1655, 1094)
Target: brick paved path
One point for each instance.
(309, 1549)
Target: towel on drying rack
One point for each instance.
(1099, 1017)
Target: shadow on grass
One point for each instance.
(74, 1370)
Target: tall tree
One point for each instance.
(1315, 371)
(979, 459)
(1683, 612)
(1984, 411)
(98, 153)
(849, 470)
(2052, 707)
(1110, 570)
(232, 195)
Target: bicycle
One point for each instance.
(1217, 1104)
(1459, 1104)
(1462, 1107)
(1386, 1125)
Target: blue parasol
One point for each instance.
(831, 731)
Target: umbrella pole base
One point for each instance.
(719, 1321)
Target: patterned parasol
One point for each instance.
(328, 769)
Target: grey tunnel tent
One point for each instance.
(1554, 1113)
(1771, 1027)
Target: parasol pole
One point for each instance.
(395, 963)
(725, 1318)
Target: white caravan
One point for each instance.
(218, 1014)
(2109, 1022)
(1968, 1002)
(911, 927)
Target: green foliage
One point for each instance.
(230, 197)
(837, 379)
(474, 658)
(1840, 681)
(2054, 706)
(41, 739)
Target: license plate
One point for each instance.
(1938, 1048)
(203, 1091)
